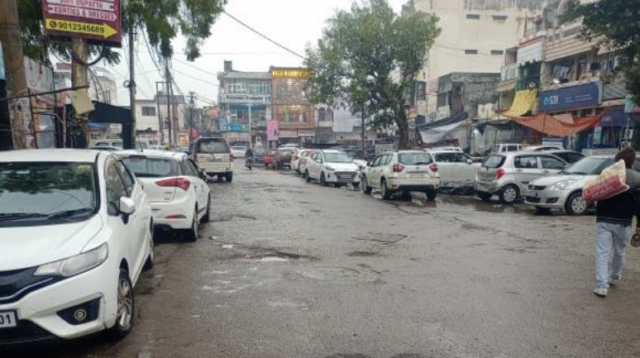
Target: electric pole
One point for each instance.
(11, 39)
(79, 77)
(160, 121)
(132, 87)
(192, 104)
(168, 90)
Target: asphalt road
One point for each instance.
(290, 269)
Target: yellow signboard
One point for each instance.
(103, 30)
(291, 73)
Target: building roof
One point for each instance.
(236, 75)
(50, 155)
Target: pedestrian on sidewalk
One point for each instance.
(614, 218)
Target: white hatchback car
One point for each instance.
(332, 167)
(455, 167)
(299, 160)
(76, 231)
(179, 197)
(401, 172)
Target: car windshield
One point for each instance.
(337, 158)
(494, 161)
(213, 147)
(415, 158)
(144, 167)
(286, 152)
(239, 148)
(589, 166)
(41, 191)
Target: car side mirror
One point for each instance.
(126, 206)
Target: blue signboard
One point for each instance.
(236, 127)
(223, 125)
(580, 96)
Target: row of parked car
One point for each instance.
(77, 230)
(544, 177)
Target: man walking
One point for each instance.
(613, 224)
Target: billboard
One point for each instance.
(273, 130)
(96, 21)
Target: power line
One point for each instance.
(194, 78)
(264, 36)
(197, 68)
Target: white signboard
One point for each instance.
(343, 124)
(288, 133)
(306, 133)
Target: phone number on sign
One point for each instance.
(86, 28)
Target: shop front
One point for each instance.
(290, 108)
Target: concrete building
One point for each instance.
(296, 116)
(245, 105)
(148, 120)
(475, 34)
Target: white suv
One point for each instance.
(401, 172)
(76, 232)
(179, 197)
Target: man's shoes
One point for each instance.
(614, 281)
(601, 292)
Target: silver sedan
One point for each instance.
(564, 191)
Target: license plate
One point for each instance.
(345, 176)
(415, 175)
(8, 319)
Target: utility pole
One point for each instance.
(14, 63)
(132, 87)
(79, 77)
(363, 135)
(250, 128)
(160, 121)
(168, 90)
(191, 107)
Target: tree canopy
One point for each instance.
(368, 58)
(613, 24)
(163, 21)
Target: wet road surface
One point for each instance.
(290, 269)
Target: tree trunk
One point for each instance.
(14, 65)
(79, 77)
(403, 131)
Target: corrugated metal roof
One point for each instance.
(613, 91)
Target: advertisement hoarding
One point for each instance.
(580, 96)
(96, 21)
(273, 131)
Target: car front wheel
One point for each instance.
(576, 205)
(126, 306)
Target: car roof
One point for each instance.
(157, 154)
(332, 151)
(52, 155)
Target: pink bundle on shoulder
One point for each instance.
(611, 182)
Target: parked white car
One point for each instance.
(454, 167)
(402, 172)
(179, 197)
(332, 166)
(299, 161)
(238, 151)
(76, 231)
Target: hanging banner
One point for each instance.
(273, 131)
(96, 21)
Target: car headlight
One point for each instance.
(76, 264)
(561, 185)
(329, 168)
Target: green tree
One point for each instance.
(369, 57)
(612, 24)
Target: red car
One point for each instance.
(268, 157)
(283, 157)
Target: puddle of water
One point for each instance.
(228, 247)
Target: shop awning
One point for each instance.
(560, 126)
(434, 132)
(524, 102)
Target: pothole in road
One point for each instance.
(363, 254)
(381, 237)
(280, 256)
(337, 274)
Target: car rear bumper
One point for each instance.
(216, 168)
(37, 312)
(177, 214)
(413, 184)
(487, 187)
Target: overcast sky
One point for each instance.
(293, 23)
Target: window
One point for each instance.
(470, 52)
(526, 162)
(145, 167)
(329, 114)
(115, 188)
(497, 52)
(552, 163)
(213, 146)
(459, 158)
(445, 158)
(128, 179)
(500, 18)
(415, 158)
(473, 17)
(386, 160)
(148, 111)
(190, 169)
(322, 115)
(377, 161)
(494, 161)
